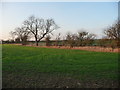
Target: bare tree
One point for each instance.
(47, 39)
(22, 34)
(12, 34)
(68, 38)
(85, 38)
(64, 41)
(40, 27)
(103, 42)
(17, 40)
(90, 39)
(113, 33)
(113, 44)
(71, 39)
(58, 39)
(81, 37)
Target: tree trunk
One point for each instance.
(36, 43)
(22, 41)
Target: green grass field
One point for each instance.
(34, 67)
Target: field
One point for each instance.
(38, 67)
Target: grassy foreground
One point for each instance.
(34, 67)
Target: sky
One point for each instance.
(72, 17)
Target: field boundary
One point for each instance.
(86, 48)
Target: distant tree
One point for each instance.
(22, 34)
(47, 39)
(25, 39)
(113, 44)
(113, 33)
(81, 37)
(64, 43)
(71, 39)
(17, 40)
(40, 27)
(68, 38)
(103, 42)
(11, 41)
(85, 38)
(12, 34)
(58, 39)
(90, 39)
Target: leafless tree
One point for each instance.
(106, 42)
(40, 27)
(113, 44)
(58, 39)
(17, 40)
(71, 39)
(113, 32)
(85, 38)
(68, 38)
(81, 37)
(12, 34)
(22, 34)
(90, 39)
(64, 43)
(47, 39)
(103, 42)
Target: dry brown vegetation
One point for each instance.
(88, 48)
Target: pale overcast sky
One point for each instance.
(70, 16)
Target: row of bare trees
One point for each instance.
(41, 28)
(36, 27)
(83, 38)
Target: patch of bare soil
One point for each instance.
(53, 81)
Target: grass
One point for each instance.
(23, 63)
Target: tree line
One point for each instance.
(38, 28)
(42, 29)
